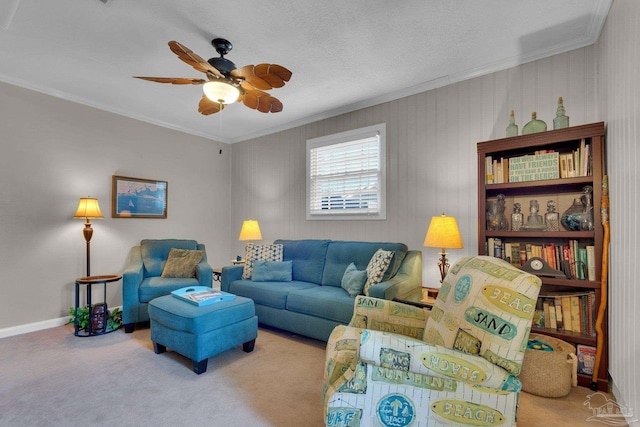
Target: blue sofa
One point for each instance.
(313, 302)
(142, 281)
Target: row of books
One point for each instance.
(575, 261)
(567, 311)
(543, 164)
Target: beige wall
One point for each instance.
(52, 152)
(618, 58)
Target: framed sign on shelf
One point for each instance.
(138, 198)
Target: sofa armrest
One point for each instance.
(389, 316)
(409, 277)
(407, 354)
(230, 274)
(131, 280)
(204, 274)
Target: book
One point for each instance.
(591, 263)
(202, 295)
(586, 359)
(575, 314)
(559, 317)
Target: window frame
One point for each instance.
(339, 138)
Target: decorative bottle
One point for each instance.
(552, 218)
(517, 218)
(573, 218)
(587, 201)
(512, 129)
(534, 125)
(561, 120)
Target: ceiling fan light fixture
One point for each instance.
(221, 91)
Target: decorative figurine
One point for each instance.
(99, 318)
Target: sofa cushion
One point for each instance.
(485, 306)
(154, 287)
(272, 294)
(181, 263)
(377, 268)
(271, 271)
(353, 280)
(326, 302)
(341, 253)
(308, 258)
(156, 251)
(262, 253)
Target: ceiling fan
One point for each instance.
(225, 83)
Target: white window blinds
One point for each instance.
(346, 175)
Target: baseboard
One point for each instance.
(36, 326)
(32, 327)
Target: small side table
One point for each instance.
(88, 282)
(418, 297)
(217, 274)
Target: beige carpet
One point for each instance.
(51, 378)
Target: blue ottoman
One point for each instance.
(201, 332)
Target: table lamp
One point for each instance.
(88, 209)
(443, 233)
(250, 231)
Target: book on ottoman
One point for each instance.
(202, 295)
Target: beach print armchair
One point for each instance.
(457, 364)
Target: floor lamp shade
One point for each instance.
(88, 209)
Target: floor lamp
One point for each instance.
(443, 233)
(88, 209)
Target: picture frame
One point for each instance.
(138, 198)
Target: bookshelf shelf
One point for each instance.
(570, 144)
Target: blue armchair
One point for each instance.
(142, 279)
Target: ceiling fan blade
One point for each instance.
(208, 107)
(264, 76)
(261, 101)
(173, 80)
(187, 55)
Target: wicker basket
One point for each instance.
(549, 373)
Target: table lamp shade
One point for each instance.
(250, 230)
(443, 233)
(88, 208)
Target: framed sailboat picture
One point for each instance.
(138, 198)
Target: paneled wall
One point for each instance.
(618, 57)
(431, 144)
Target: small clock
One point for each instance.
(540, 267)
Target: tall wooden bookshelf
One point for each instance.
(562, 190)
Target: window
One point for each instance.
(346, 175)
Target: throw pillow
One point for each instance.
(272, 271)
(378, 265)
(353, 280)
(182, 263)
(261, 253)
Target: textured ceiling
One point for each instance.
(344, 55)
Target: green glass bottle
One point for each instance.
(512, 129)
(534, 125)
(561, 120)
